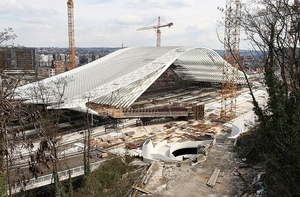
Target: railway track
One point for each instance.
(21, 155)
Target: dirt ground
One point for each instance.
(189, 181)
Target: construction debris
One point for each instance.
(140, 189)
(135, 144)
(144, 178)
(203, 149)
(213, 178)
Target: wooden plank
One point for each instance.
(137, 185)
(140, 189)
(213, 178)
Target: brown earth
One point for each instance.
(189, 181)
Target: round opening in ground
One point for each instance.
(185, 152)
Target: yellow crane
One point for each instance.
(231, 55)
(70, 5)
(157, 28)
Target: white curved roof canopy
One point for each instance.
(119, 78)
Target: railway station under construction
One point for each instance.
(141, 82)
(146, 88)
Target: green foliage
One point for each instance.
(59, 190)
(3, 189)
(108, 179)
(278, 128)
(69, 186)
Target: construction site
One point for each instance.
(181, 154)
(178, 109)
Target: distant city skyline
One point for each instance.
(111, 23)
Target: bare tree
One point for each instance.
(87, 143)
(47, 99)
(13, 115)
(7, 35)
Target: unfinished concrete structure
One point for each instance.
(166, 152)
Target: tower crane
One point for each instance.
(70, 5)
(231, 55)
(157, 28)
(231, 52)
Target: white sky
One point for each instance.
(109, 23)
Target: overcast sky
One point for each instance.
(109, 23)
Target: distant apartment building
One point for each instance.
(59, 66)
(45, 71)
(44, 59)
(18, 63)
(34, 64)
(18, 58)
(62, 57)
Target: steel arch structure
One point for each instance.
(119, 78)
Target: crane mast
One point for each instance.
(158, 32)
(231, 56)
(71, 34)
